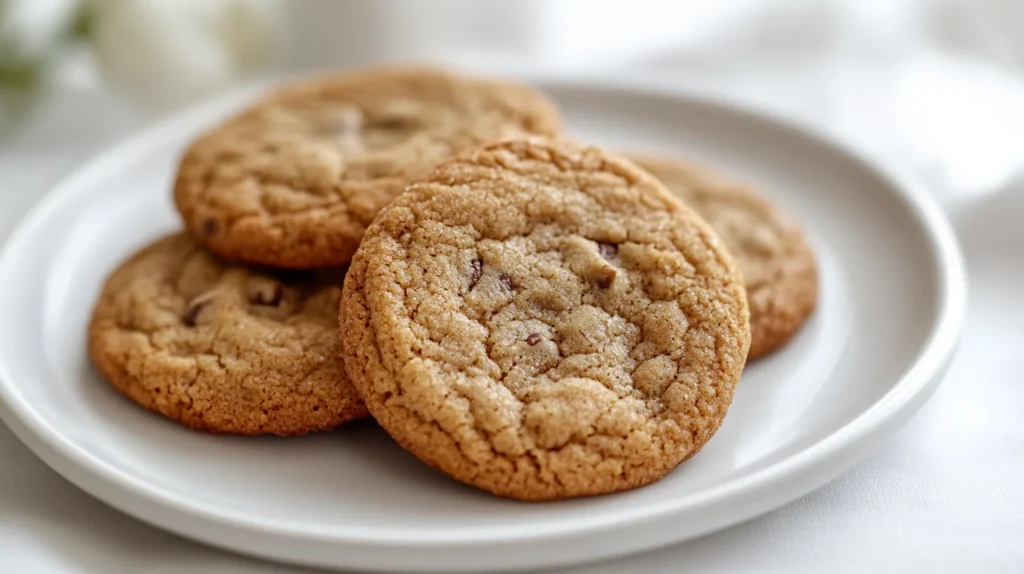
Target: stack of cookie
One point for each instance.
(533, 316)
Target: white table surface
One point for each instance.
(945, 493)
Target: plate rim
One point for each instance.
(822, 459)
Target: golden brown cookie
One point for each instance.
(222, 348)
(544, 320)
(293, 181)
(774, 258)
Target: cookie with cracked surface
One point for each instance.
(294, 180)
(223, 348)
(777, 264)
(544, 320)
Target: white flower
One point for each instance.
(168, 52)
(30, 33)
(30, 29)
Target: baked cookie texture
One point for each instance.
(544, 320)
(223, 348)
(777, 264)
(294, 180)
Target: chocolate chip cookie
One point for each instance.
(293, 181)
(223, 348)
(774, 258)
(544, 320)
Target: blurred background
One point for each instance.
(934, 85)
(931, 87)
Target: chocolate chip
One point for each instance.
(604, 277)
(210, 226)
(476, 272)
(534, 338)
(196, 307)
(295, 275)
(267, 293)
(390, 123)
(608, 250)
(508, 283)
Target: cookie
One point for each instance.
(223, 348)
(544, 320)
(777, 264)
(293, 181)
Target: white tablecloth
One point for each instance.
(943, 494)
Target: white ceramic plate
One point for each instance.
(892, 300)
